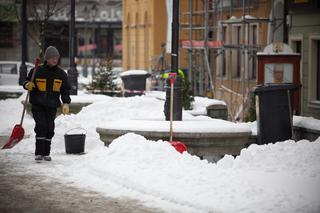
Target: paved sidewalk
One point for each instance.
(27, 193)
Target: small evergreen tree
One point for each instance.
(251, 114)
(187, 95)
(103, 80)
(186, 92)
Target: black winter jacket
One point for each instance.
(50, 83)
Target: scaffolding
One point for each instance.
(207, 46)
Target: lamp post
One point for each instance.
(94, 13)
(90, 15)
(85, 68)
(177, 103)
(72, 72)
(23, 68)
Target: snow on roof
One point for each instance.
(277, 48)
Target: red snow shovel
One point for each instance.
(18, 131)
(178, 145)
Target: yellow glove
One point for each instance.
(30, 86)
(65, 109)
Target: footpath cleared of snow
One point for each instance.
(280, 177)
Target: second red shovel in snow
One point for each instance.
(178, 145)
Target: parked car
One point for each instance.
(9, 72)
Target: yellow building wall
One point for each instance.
(144, 29)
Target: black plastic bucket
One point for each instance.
(74, 143)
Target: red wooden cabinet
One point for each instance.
(280, 65)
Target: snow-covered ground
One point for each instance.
(306, 122)
(280, 177)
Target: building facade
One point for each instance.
(304, 38)
(213, 40)
(144, 30)
(98, 29)
(221, 42)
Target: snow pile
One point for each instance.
(306, 122)
(201, 103)
(274, 177)
(11, 88)
(185, 126)
(277, 177)
(280, 177)
(288, 156)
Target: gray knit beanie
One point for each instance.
(51, 52)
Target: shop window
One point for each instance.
(58, 36)
(6, 34)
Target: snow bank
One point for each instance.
(201, 103)
(277, 177)
(185, 126)
(306, 122)
(280, 177)
(11, 88)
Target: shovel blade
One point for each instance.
(16, 136)
(179, 146)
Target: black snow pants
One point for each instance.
(44, 128)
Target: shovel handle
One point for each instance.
(37, 63)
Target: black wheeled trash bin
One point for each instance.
(134, 82)
(274, 112)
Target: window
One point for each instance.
(6, 34)
(238, 51)
(117, 42)
(296, 46)
(136, 41)
(254, 42)
(224, 58)
(314, 71)
(128, 49)
(58, 36)
(146, 41)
